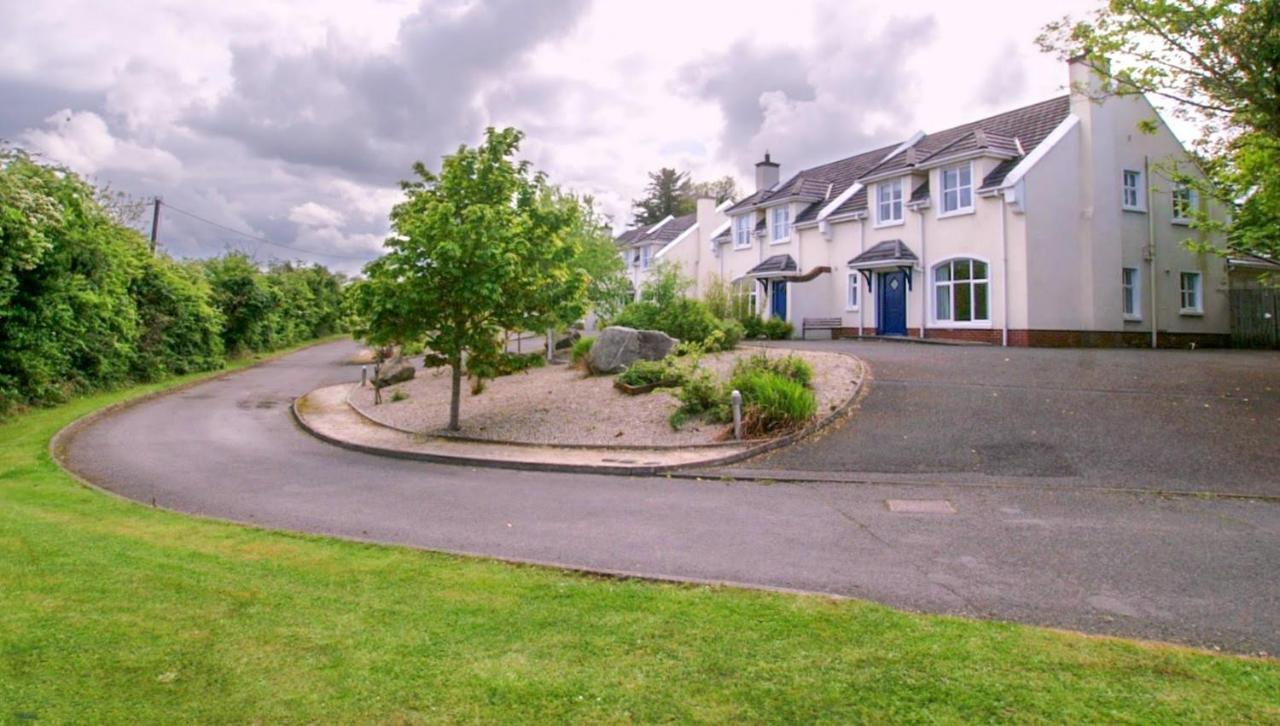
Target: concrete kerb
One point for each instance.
(764, 447)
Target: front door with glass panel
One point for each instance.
(893, 303)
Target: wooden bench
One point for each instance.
(808, 324)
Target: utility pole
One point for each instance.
(155, 224)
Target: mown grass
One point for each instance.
(114, 612)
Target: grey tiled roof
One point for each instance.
(774, 264)
(664, 234)
(885, 253)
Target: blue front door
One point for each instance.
(778, 300)
(893, 303)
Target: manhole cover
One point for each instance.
(920, 506)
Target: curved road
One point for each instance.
(1188, 569)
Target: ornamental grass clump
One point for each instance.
(581, 349)
(652, 373)
(772, 404)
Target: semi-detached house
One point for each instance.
(1052, 224)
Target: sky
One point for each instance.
(294, 121)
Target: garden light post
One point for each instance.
(735, 399)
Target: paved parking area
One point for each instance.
(1158, 420)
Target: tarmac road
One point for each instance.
(1188, 569)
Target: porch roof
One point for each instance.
(775, 266)
(890, 253)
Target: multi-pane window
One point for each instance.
(957, 188)
(1133, 192)
(646, 256)
(889, 202)
(1184, 204)
(851, 295)
(1192, 297)
(742, 231)
(961, 292)
(1130, 290)
(781, 222)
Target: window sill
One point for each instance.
(957, 212)
(1139, 210)
(1191, 313)
(783, 241)
(948, 324)
(742, 247)
(1181, 222)
(882, 225)
(851, 310)
(1133, 318)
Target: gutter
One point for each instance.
(1151, 244)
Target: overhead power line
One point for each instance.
(255, 237)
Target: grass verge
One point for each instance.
(113, 612)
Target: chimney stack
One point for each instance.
(766, 173)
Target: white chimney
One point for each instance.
(767, 173)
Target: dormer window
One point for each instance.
(742, 231)
(889, 203)
(957, 188)
(781, 223)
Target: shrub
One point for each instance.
(581, 348)
(663, 306)
(753, 327)
(772, 404)
(398, 395)
(733, 332)
(777, 329)
(648, 372)
(790, 366)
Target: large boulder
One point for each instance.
(618, 347)
(393, 371)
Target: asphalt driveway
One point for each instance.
(1190, 569)
(1157, 420)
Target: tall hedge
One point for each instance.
(84, 304)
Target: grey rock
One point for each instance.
(618, 347)
(396, 370)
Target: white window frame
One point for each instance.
(742, 231)
(959, 190)
(894, 203)
(1196, 289)
(935, 283)
(1137, 190)
(781, 228)
(646, 256)
(1131, 293)
(1192, 203)
(853, 292)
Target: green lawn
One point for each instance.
(111, 611)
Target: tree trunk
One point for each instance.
(455, 398)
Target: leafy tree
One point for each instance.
(1216, 62)
(724, 189)
(669, 193)
(483, 247)
(608, 288)
(245, 300)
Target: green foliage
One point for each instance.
(482, 367)
(726, 301)
(772, 404)
(790, 366)
(777, 329)
(663, 372)
(85, 305)
(1216, 62)
(664, 306)
(608, 287)
(398, 395)
(581, 348)
(669, 193)
(753, 328)
(484, 247)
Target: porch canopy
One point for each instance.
(891, 254)
(784, 268)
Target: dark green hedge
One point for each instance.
(85, 305)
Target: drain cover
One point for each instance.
(920, 506)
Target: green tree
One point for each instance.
(608, 289)
(481, 248)
(669, 193)
(724, 189)
(1217, 62)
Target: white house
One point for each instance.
(683, 240)
(1052, 224)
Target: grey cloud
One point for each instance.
(1005, 79)
(25, 104)
(846, 95)
(336, 108)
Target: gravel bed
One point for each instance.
(561, 405)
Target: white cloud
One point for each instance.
(82, 141)
(311, 214)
